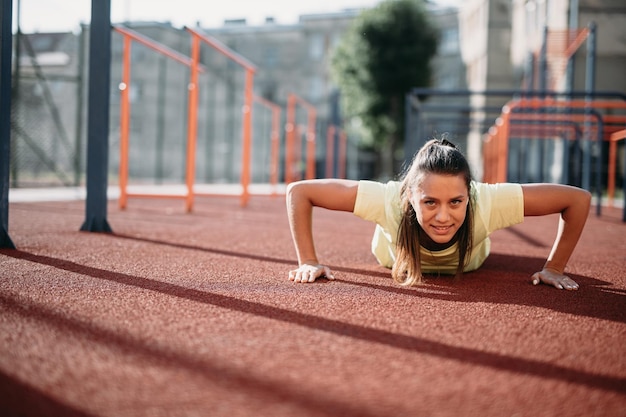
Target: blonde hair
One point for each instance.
(435, 157)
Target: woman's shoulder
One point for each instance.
(377, 200)
(504, 189)
(498, 205)
(387, 189)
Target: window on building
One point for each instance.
(316, 88)
(271, 57)
(316, 46)
(447, 81)
(449, 41)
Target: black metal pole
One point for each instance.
(98, 117)
(15, 93)
(6, 43)
(590, 86)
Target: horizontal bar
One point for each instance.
(225, 50)
(146, 41)
(507, 92)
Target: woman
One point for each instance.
(437, 219)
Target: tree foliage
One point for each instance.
(385, 52)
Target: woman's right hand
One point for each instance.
(302, 196)
(310, 272)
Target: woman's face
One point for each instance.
(440, 204)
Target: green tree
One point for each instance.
(385, 52)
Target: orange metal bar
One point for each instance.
(580, 38)
(275, 148)
(495, 149)
(192, 122)
(615, 137)
(247, 137)
(124, 123)
(330, 150)
(130, 35)
(298, 152)
(223, 49)
(149, 195)
(290, 128)
(608, 129)
(502, 123)
(549, 129)
(162, 49)
(540, 132)
(247, 108)
(502, 135)
(537, 103)
(495, 152)
(488, 161)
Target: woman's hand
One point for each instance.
(310, 272)
(302, 196)
(554, 278)
(573, 205)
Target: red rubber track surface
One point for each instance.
(180, 314)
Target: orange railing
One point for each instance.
(614, 138)
(196, 68)
(292, 129)
(197, 39)
(495, 150)
(192, 117)
(561, 45)
(125, 108)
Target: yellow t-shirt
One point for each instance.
(497, 206)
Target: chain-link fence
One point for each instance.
(46, 118)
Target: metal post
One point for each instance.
(6, 20)
(15, 93)
(573, 26)
(161, 111)
(291, 132)
(98, 117)
(543, 87)
(526, 144)
(275, 147)
(124, 122)
(589, 89)
(247, 137)
(192, 121)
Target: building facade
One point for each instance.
(486, 45)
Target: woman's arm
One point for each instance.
(573, 205)
(302, 196)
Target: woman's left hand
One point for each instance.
(554, 278)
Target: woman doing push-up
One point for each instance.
(437, 220)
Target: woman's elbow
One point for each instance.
(296, 192)
(580, 202)
(585, 198)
